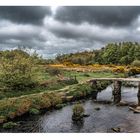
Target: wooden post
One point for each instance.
(117, 91)
(94, 87)
(138, 95)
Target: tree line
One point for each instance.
(124, 53)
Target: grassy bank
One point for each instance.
(17, 106)
(49, 82)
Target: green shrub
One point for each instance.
(54, 99)
(81, 90)
(69, 81)
(17, 70)
(136, 63)
(59, 106)
(53, 71)
(40, 102)
(9, 125)
(34, 111)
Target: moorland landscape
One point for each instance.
(76, 72)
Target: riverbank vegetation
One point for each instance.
(17, 106)
(29, 83)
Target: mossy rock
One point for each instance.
(97, 108)
(69, 98)
(9, 125)
(116, 129)
(34, 111)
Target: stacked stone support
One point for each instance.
(117, 91)
(95, 91)
(138, 95)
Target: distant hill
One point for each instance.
(123, 53)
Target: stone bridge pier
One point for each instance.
(138, 95)
(95, 92)
(117, 91)
(117, 82)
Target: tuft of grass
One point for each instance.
(9, 125)
(59, 106)
(78, 112)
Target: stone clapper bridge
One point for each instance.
(117, 86)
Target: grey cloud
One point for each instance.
(69, 30)
(28, 35)
(24, 14)
(69, 46)
(104, 15)
(87, 32)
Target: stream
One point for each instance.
(109, 116)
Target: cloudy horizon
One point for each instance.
(56, 30)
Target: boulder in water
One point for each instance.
(122, 103)
(135, 110)
(97, 108)
(86, 115)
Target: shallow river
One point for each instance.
(109, 116)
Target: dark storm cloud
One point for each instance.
(87, 31)
(24, 14)
(68, 29)
(104, 15)
(12, 35)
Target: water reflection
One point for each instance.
(76, 126)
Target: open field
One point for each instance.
(50, 82)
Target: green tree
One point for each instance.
(17, 70)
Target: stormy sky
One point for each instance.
(56, 30)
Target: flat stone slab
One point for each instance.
(135, 110)
(123, 103)
(115, 79)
